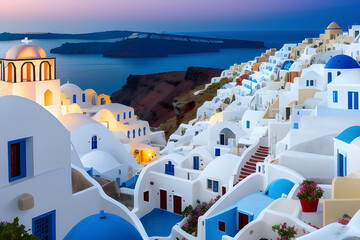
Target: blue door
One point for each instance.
(217, 152)
(341, 165)
(102, 101)
(94, 142)
(353, 100)
(196, 162)
(216, 186)
(169, 168)
(329, 77)
(74, 98)
(93, 100)
(44, 226)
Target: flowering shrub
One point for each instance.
(285, 232)
(192, 215)
(309, 191)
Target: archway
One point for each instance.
(93, 100)
(224, 136)
(45, 71)
(11, 72)
(27, 72)
(48, 98)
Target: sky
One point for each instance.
(79, 16)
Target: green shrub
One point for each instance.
(14, 231)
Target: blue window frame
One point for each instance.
(353, 100)
(341, 165)
(74, 98)
(129, 114)
(329, 77)
(128, 134)
(44, 226)
(94, 142)
(169, 168)
(144, 129)
(335, 96)
(134, 133)
(17, 159)
(124, 115)
(83, 97)
(296, 125)
(247, 124)
(139, 132)
(118, 117)
(196, 162)
(217, 152)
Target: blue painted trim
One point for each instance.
(22, 142)
(345, 165)
(52, 224)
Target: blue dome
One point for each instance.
(349, 134)
(287, 64)
(342, 62)
(103, 226)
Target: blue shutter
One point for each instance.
(209, 183)
(217, 152)
(216, 187)
(196, 162)
(356, 100)
(247, 124)
(335, 96)
(74, 98)
(83, 97)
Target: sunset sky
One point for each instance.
(75, 16)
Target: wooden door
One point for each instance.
(177, 204)
(163, 199)
(243, 220)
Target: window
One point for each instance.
(128, 134)
(221, 226)
(146, 196)
(134, 133)
(17, 159)
(309, 83)
(124, 115)
(94, 142)
(329, 77)
(335, 96)
(196, 133)
(217, 152)
(83, 97)
(74, 98)
(169, 168)
(247, 124)
(196, 162)
(213, 185)
(296, 125)
(144, 129)
(139, 132)
(118, 117)
(102, 101)
(44, 226)
(338, 73)
(129, 114)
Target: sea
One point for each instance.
(107, 75)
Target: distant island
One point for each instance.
(130, 44)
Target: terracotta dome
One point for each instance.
(333, 25)
(25, 52)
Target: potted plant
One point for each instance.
(309, 195)
(284, 231)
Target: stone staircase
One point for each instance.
(250, 166)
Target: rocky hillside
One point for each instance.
(152, 95)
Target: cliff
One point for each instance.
(152, 95)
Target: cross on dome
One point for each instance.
(26, 41)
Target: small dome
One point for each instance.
(342, 62)
(349, 134)
(333, 26)
(69, 86)
(103, 226)
(25, 52)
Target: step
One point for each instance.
(263, 147)
(262, 151)
(260, 155)
(257, 157)
(250, 167)
(250, 164)
(246, 173)
(254, 160)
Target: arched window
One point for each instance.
(144, 129)
(103, 101)
(128, 134)
(11, 72)
(27, 72)
(139, 132)
(130, 114)
(45, 71)
(338, 73)
(134, 133)
(94, 142)
(48, 98)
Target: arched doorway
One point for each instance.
(27, 72)
(11, 72)
(45, 71)
(224, 136)
(93, 100)
(102, 101)
(48, 98)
